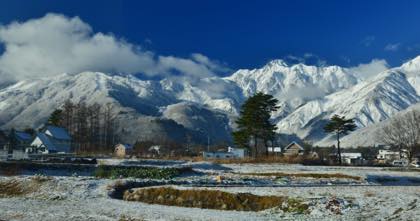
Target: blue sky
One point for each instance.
(246, 34)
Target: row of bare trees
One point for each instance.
(92, 127)
(403, 133)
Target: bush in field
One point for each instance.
(136, 172)
(16, 188)
(214, 199)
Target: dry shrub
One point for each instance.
(307, 175)
(40, 178)
(369, 194)
(13, 187)
(211, 199)
(127, 218)
(264, 159)
(21, 187)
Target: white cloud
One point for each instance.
(307, 58)
(56, 44)
(370, 69)
(392, 47)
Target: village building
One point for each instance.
(51, 139)
(274, 150)
(237, 152)
(18, 141)
(232, 153)
(387, 156)
(293, 149)
(352, 159)
(123, 150)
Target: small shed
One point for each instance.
(237, 152)
(293, 149)
(352, 158)
(123, 150)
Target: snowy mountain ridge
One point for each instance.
(308, 96)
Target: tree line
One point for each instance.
(92, 127)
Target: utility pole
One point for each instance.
(208, 143)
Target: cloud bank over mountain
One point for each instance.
(56, 44)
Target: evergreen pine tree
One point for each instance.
(339, 126)
(254, 122)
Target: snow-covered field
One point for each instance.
(86, 198)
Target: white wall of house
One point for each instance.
(388, 155)
(218, 155)
(237, 152)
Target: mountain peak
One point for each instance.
(412, 65)
(277, 62)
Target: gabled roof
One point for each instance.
(22, 136)
(52, 144)
(57, 132)
(293, 143)
(46, 141)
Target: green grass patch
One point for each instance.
(136, 172)
(214, 199)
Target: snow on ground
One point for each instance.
(86, 198)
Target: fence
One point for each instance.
(22, 155)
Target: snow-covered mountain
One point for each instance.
(146, 108)
(174, 107)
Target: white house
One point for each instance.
(51, 139)
(122, 150)
(352, 158)
(274, 149)
(230, 154)
(237, 152)
(218, 155)
(388, 155)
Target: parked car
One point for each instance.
(400, 163)
(415, 164)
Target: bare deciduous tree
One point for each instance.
(403, 132)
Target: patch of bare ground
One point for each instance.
(306, 175)
(128, 218)
(214, 199)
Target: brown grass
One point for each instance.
(264, 159)
(127, 218)
(369, 194)
(213, 199)
(307, 175)
(15, 188)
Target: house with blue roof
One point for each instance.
(18, 140)
(51, 139)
